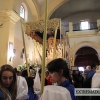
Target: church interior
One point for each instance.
(55, 42)
(76, 25)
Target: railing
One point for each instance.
(93, 25)
(76, 27)
(66, 27)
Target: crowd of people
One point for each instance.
(18, 86)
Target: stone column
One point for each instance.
(8, 20)
(98, 22)
(70, 26)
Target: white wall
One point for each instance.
(79, 39)
(83, 38)
(18, 43)
(0, 4)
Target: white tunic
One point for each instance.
(55, 93)
(96, 80)
(22, 88)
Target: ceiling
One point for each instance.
(40, 1)
(76, 6)
(41, 5)
(43, 1)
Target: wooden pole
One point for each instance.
(24, 49)
(44, 48)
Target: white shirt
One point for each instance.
(52, 92)
(96, 80)
(22, 88)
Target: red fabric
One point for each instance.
(49, 80)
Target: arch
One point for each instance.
(91, 44)
(86, 56)
(53, 6)
(79, 45)
(33, 7)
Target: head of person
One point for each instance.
(70, 71)
(17, 72)
(32, 72)
(77, 72)
(98, 69)
(40, 71)
(24, 73)
(58, 70)
(88, 67)
(46, 73)
(94, 66)
(30, 82)
(8, 81)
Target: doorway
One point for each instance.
(86, 56)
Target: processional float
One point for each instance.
(57, 40)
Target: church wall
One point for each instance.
(0, 4)
(82, 41)
(18, 43)
(78, 39)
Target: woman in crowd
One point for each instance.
(59, 73)
(8, 83)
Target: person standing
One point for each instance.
(59, 73)
(31, 94)
(96, 82)
(88, 81)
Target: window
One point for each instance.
(84, 25)
(22, 11)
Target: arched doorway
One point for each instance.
(86, 56)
